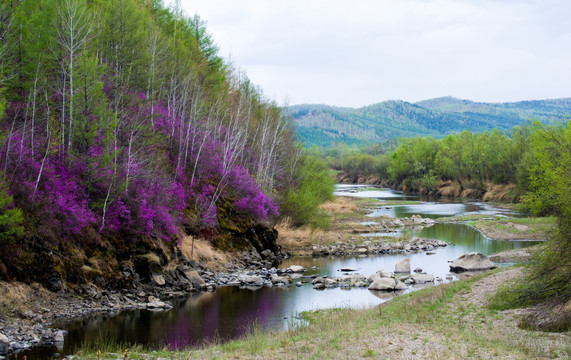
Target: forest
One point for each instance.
(326, 126)
(119, 120)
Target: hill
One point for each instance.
(324, 125)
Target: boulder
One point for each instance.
(422, 278)
(418, 270)
(383, 284)
(194, 278)
(471, 262)
(385, 274)
(4, 344)
(347, 269)
(372, 278)
(251, 280)
(296, 269)
(399, 285)
(319, 286)
(403, 266)
(155, 303)
(159, 279)
(59, 336)
(280, 279)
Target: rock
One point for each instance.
(418, 270)
(319, 286)
(298, 284)
(471, 262)
(400, 285)
(385, 274)
(159, 279)
(280, 280)
(383, 284)
(59, 336)
(194, 278)
(347, 269)
(4, 344)
(251, 280)
(430, 253)
(403, 266)
(296, 269)
(422, 278)
(373, 277)
(329, 282)
(318, 280)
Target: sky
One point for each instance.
(360, 52)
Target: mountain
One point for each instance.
(324, 125)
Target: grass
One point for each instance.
(527, 228)
(434, 323)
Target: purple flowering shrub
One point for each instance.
(130, 176)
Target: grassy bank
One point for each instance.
(445, 322)
(529, 228)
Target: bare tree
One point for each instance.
(73, 32)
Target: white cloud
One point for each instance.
(353, 53)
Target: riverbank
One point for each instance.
(450, 321)
(25, 320)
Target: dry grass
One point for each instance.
(498, 192)
(450, 188)
(203, 252)
(18, 296)
(343, 205)
(346, 214)
(292, 238)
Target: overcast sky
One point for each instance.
(360, 52)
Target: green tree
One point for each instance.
(314, 185)
(10, 217)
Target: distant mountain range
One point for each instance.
(324, 125)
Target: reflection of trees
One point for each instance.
(228, 313)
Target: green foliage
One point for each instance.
(549, 179)
(314, 185)
(10, 217)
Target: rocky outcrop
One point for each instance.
(471, 262)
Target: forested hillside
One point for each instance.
(324, 125)
(119, 120)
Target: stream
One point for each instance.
(230, 312)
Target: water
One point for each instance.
(230, 312)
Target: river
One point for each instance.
(230, 312)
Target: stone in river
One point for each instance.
(422, 278)
(471, 262)
(403, 266)
(383, 284)
(296, 269)
(251, 280)
(348, 269)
